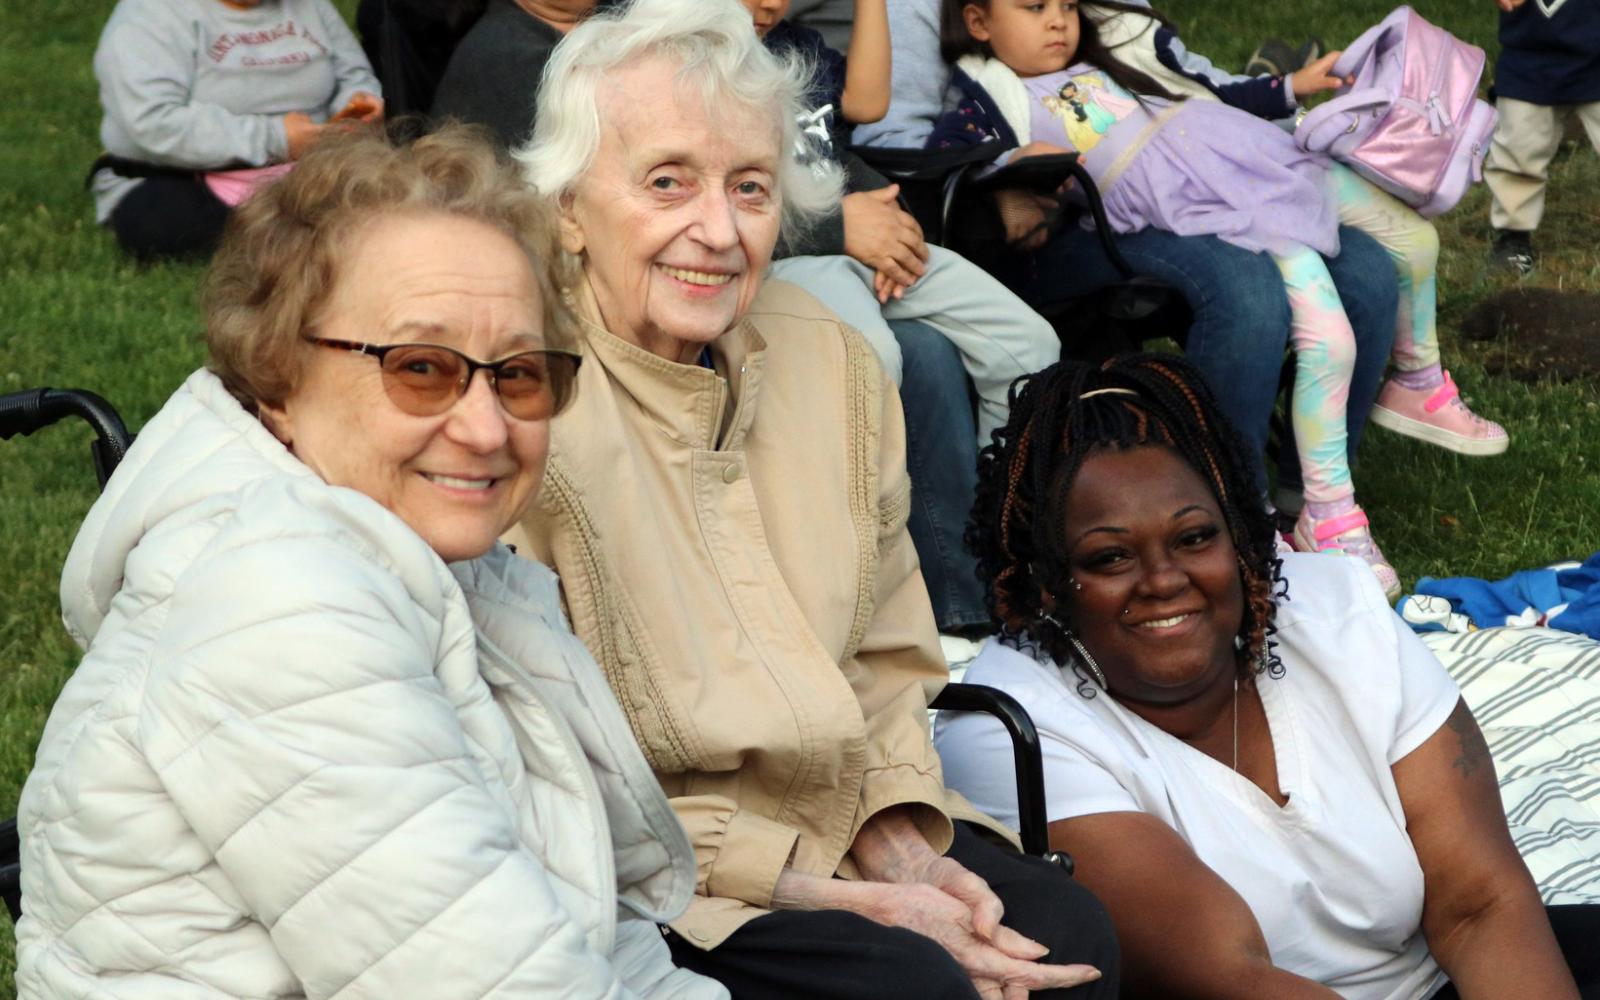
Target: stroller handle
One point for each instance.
(27, 411)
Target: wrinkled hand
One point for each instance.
(958, 910)
(301, 132)
(1510, 5)
(362, 107)
(883, 236)
(1316, 77)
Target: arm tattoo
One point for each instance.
(1474, 748)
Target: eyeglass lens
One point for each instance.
(425, 380)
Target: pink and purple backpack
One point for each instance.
(1412, 122)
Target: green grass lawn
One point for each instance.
(73, 312)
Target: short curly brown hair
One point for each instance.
(279, 257)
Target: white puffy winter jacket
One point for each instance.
(303, 757)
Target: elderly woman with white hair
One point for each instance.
(725, 504)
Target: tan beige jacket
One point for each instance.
(732, 547)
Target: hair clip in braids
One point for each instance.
(1110, 391)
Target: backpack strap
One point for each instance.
(1338, 125)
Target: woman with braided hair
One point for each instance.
(1271, 783)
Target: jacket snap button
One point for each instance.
(730, 473)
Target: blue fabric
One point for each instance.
(942, 461)
(1267, 97)
(1550, 58)
(1573, 594)
(1240, 329)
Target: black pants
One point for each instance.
(1578, 933)
(170, 215)
(845, 957)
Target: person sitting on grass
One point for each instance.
(727, 512)
(329, 737)
(868, 260)
(492, 78)
(1039, 78)
(1240, 313)
(204, 100)
(1269, 779)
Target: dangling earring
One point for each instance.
(1088, 661)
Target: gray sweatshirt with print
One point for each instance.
(197, 84)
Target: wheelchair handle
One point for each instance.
(1026, 757)
(31, 409)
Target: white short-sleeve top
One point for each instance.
(1331, 877)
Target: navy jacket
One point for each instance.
(1550, 52)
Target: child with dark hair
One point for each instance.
(870, 263)
(1205, 167)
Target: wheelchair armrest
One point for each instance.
(31, 409)
(900, 163)
(1025, 754)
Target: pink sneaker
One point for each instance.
(1438, 416)
(1347, 535)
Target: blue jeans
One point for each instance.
(942, 461)
(1241, 315)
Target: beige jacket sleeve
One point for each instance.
(897, 667)
(738, 853)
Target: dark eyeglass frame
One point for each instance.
(473, 366)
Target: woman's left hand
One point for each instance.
(890, 848)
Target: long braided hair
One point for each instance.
(1018, 526)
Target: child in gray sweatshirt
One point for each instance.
(190, 86)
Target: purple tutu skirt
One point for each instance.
(1213, 170)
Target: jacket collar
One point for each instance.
(998, 91)
(696, 406)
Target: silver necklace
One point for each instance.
(1235, 723)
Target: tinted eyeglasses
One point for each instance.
(425, 380)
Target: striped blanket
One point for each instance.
(1536, 694)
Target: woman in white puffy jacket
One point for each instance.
(330, 738)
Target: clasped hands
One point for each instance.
(907, 884)
(302, 132)
(884, 236)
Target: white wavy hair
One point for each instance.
(714, 44)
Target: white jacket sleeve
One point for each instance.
(293, 715)
(146, 68)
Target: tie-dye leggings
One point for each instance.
(1325, 346)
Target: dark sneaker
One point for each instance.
(1512, 250)
(1272, 57)
(1310, 52)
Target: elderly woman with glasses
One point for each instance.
(726, 506)
(330, 737)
